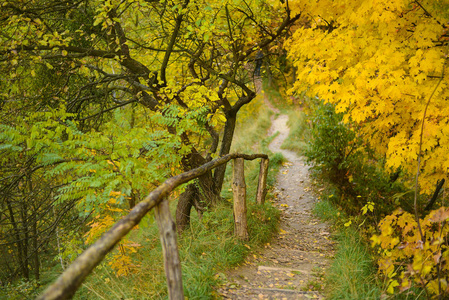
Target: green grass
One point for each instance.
(326, 211)
(299, 132)
(352, 274)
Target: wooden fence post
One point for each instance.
(167, 233)
(239, 192)
(262, 184)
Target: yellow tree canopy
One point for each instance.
(382, 63)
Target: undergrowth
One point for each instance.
(352, 273)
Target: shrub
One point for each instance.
(341, 157)
(333, 147)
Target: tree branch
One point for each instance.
(109, 109)
(172, 44)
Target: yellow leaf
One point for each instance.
(392, 285)
(97, 21)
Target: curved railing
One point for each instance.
(71, 279)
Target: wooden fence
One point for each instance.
(71, 279)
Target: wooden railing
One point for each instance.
(71, 279)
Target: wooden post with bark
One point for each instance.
(239, 192)
(167, 233)
(262, 184)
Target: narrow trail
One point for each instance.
(292, 266)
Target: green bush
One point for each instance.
(340, 156)
(333, 146)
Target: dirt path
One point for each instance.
(292, 266)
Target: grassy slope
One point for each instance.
(352, 274)
(299, 134)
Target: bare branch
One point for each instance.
(109, 109)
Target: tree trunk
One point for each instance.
(205, 181)
(20, 251)
(34, 238)
(226, 143)
(184, 207)
(269, 73)
(36, 264)
(239, 192)
(26, 239)
(201, 197)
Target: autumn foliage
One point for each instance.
(409, 259)
(105, 97)
(383, 65)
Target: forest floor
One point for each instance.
(293, 265)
